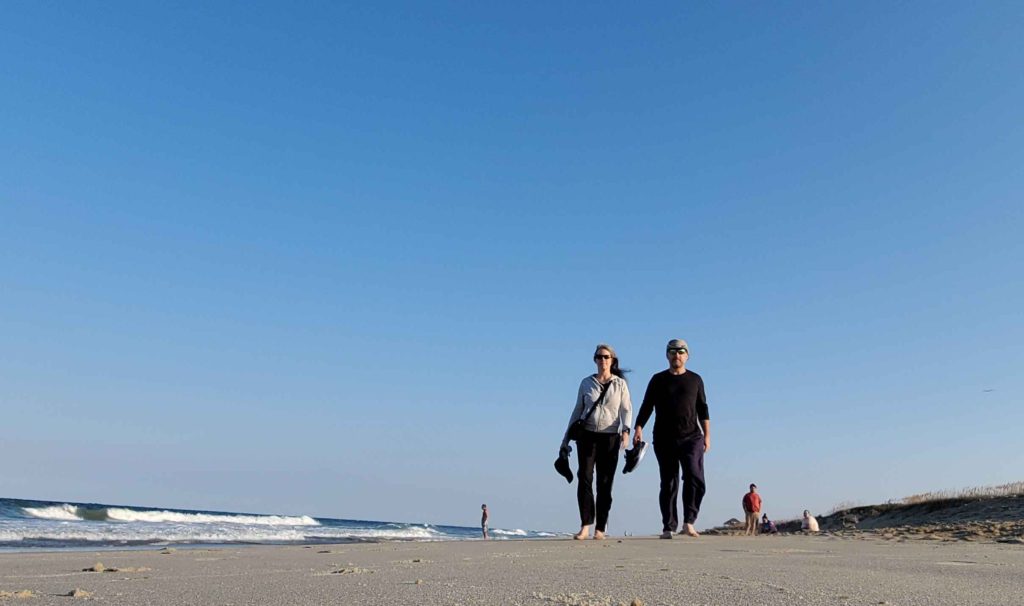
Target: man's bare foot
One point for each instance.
(690, 530)
(582, 534)
(598, 535)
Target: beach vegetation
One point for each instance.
(1003, 490)
(841, 506)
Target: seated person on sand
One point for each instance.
(767, 526)
(809, 524)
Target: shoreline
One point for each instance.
(975, 532)
(928, 533)
(193, 546)
(824, 569)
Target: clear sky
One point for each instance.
(352, 260)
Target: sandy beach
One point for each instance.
(791, 569)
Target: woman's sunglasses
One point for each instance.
(602, 357)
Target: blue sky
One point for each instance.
(352, 261)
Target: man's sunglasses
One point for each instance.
(602, 357)
(677, 350)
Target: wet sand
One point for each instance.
(769, 570)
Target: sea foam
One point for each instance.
(121, 514)
(27, 524)
(70, 513)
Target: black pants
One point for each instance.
(602, 450)
(687, 453)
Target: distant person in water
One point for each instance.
(809, 523)
(603, 401)
(484, 517)
(767, 526)
(752, 508)
(682, 434)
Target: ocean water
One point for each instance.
(29, 525)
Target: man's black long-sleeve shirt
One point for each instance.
(679, 402)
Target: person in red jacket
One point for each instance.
(752, 509)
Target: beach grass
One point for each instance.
(975, 492)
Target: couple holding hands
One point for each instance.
(682, 434)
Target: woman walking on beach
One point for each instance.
(603, 403)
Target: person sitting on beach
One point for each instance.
(603, 400)
(485, 515)
(809, 524)
(767, 526)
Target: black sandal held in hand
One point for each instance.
(562, 467)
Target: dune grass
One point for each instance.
(1003, 490)
(974, 492)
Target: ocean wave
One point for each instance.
(515, 532)
(54, 512)
(112, 534)
(135, 536)
(396, 532)
(27, 524)
(71, 513)
(121, 514)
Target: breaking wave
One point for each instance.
(515, 532)
(68, 512)
(134, 535)
(26, 524)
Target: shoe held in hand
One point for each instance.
(562, 467)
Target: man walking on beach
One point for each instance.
(752, 508)
(682, 434)
(484, 517)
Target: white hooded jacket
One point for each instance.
(615, 414)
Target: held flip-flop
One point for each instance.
(634, 456)
(562, 467)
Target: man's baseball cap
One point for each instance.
(676, 344)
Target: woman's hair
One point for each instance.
(618, 372)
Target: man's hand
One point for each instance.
(638, 435)
(707, 442)
(625, 441)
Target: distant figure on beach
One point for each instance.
(809, 523)
(484, 517)
(604, 406)
(752, 508)
(767, 526)
(682, 434)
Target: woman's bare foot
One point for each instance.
(582, 534)
(690, 530)
(598, 535)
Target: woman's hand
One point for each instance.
(625, 441)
